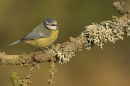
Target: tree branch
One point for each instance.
(99, 34)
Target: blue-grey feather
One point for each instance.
(16, 42)
(35, 35)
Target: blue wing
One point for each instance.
(38, 32)
(35, 35)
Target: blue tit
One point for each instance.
(42, 35)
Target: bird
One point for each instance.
(42, 35)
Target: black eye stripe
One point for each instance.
(53, 25)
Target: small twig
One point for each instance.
(17, 80)
(29, 75)
(52, 71)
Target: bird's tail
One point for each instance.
(16, 42)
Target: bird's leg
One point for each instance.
(47, 48)
(41, 49)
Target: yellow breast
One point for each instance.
(44, 42)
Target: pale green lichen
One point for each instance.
(17, 80)
(100, 33)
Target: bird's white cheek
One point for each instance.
(52, 27)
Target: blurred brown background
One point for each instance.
(107, 67)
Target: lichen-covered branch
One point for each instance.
(121, 7)
(52, 71)
(96, 33)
